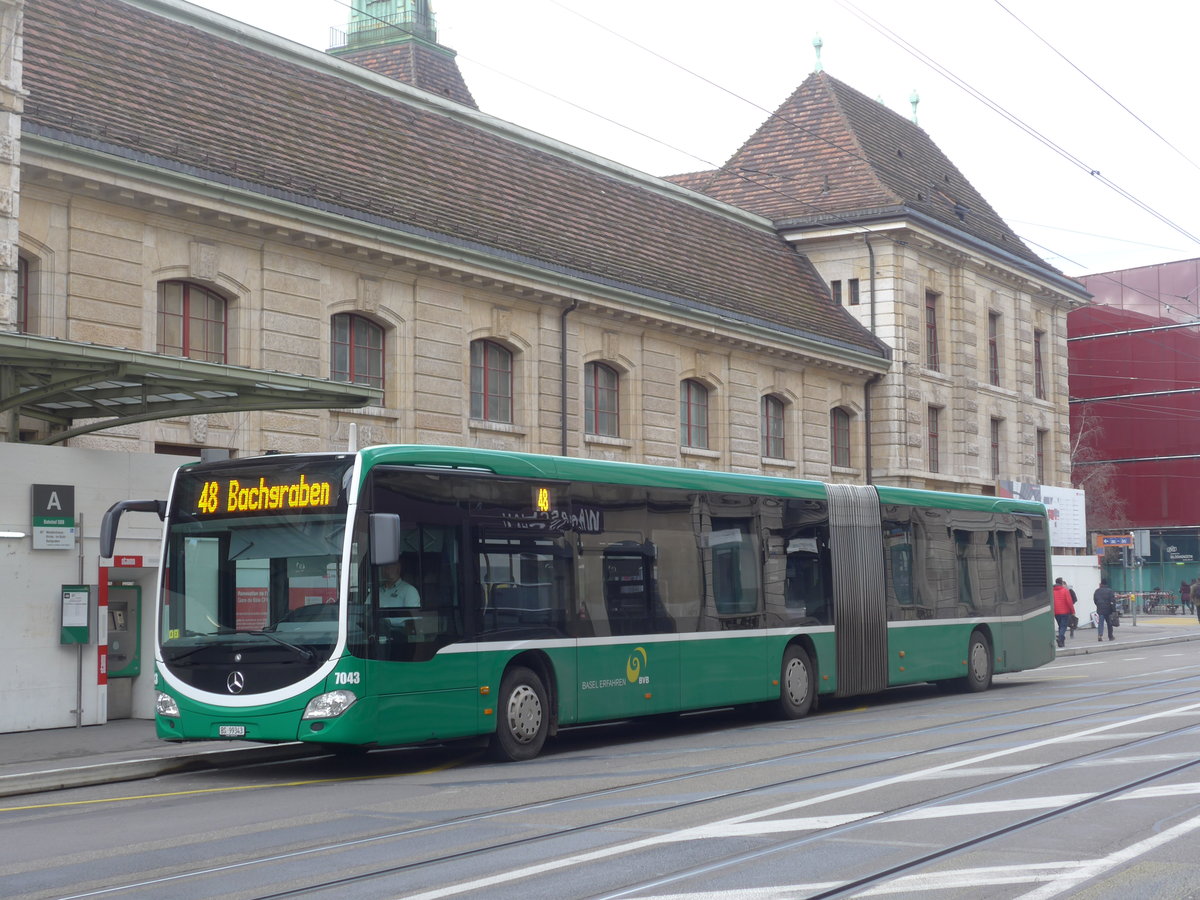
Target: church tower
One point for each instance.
(398, 38)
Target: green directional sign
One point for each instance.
(53, 515)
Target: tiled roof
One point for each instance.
(119, 79)
(830, 153)
(416, 63)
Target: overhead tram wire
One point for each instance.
(1011, 117)
(1098, 86)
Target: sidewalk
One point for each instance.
(1148, 631)
(127, 749)
(121, 750)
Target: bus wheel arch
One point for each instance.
(525, 709)
(797, 681)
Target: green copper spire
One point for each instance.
(390, 21)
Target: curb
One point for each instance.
(1130, 644)
(139, 769)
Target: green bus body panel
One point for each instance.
(456, 693)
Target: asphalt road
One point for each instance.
(1077, 779)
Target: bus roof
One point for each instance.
(565, 468)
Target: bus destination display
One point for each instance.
(240, 495)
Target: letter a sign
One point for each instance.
(53, 517)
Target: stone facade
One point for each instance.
(973, 294)
(97, 251)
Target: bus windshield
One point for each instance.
(253, 560)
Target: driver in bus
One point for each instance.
(395, 591)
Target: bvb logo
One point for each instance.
(633, 666)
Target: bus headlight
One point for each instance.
(329, 706)
(165, 705)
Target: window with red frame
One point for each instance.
(934, 443)
(191, 321)
(932, 360)
(839, 437)
(1039, 369)
(773, 444)
(356, 350)
(491, 382)
(693, 414)
(601, 401)
(994, 348)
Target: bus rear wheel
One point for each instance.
(979, 664)
(523, 716)
(796, 684)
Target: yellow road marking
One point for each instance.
(243, 787)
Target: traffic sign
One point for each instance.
(1116, 540)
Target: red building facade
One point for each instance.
(1134, 358)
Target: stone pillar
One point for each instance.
(12, 100)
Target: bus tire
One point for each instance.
(979, 664)
(522, 716)
(797, 684)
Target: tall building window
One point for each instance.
(839, 437)
(356, 350)
(693, 414)
(1040, 450)
(1039, 369)
(491, 382)
(191, 321)
(934, 439)
(771, 427)
(932, 360)
(601, 400)
(995, 434)
(852, 291)
(994, 348)
(22, 294)
(835, 289)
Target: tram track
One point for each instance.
(859, 883)
(506, 847)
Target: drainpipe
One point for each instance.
(868, 447)
(562, 345)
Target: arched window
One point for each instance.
(839, 437)
(601, 401)
(773, 444)
(356, 350)
(693, 414)
(191, 321)
(22, 294)
(491, 382)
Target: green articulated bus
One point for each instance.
(407, 594)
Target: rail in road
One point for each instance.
(1070, 776)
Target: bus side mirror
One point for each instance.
(108, 525)
(385, 538)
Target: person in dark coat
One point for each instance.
(1106, 605)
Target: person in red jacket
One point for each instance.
(1064, 609)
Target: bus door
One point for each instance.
(412, 614)
(630, 666)
(728, 662)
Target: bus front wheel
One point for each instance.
(796, 684)
(523, 716)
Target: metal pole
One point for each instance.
(79, 647)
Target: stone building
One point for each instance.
(193, 188)
(977, 393)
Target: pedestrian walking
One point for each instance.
(1106, 608)
(1064, 609)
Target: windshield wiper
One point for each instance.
(302, 651)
